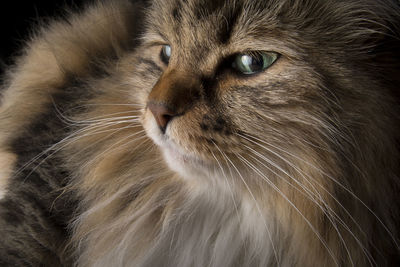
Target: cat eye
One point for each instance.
(166, 53)
(253, 62)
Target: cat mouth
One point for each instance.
(177, 158)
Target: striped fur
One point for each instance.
(294, 166)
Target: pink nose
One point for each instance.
(162, 114)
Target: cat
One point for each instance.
(204, 133)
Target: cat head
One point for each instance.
(239, 83)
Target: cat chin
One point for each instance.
(186, 164)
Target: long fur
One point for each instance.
(294, 166)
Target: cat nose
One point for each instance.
(174, 94)
(162, 114)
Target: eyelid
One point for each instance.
(155, 43)
(155, 37)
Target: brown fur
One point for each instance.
(295, 166)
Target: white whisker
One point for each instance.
(69, 140)
(230, 189)
(326, 175)
(257, 206)
(330, 213)
(291, 204)
(112, 147)
(368, 255)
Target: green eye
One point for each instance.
(166, 53)
(254, 62)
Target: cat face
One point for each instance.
(290, 111)
(204, 108)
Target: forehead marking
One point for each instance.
(224, 16)
(226, 29)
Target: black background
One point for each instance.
(19, 18)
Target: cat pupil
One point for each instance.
(253, 63)
(166, 53)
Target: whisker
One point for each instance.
(230, 190)
(331, 178)
(290, 203)
(303, 174)
(257, 206)
(65, 142)
(116, 104)
(109, 115)
(65, 139)
(112, 147)
(330, 213)
(368, 255)
(101, 119)
(60, 148)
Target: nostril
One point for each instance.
(167, 117)
(161, 113)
